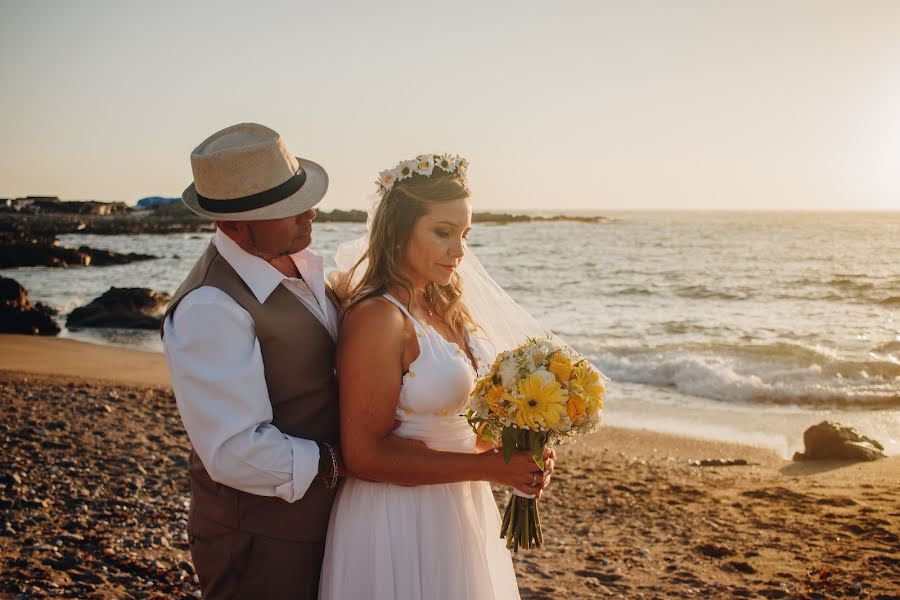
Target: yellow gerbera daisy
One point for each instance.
(589, 384)
(561, 366)
(539, 404)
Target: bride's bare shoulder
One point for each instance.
(374, 315)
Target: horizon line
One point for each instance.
(553, 210)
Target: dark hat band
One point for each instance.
(254, 201)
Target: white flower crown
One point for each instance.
(423, 164)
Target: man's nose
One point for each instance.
(308, 215)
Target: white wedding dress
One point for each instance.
(394, 542)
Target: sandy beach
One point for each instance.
(94, 492)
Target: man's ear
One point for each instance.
(236, 230)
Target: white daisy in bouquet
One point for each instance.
(534, 396)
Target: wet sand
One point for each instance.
(94, 492)
(73, 358)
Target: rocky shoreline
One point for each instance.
(24, 246)
(28, 239)
(177, 219)
(95, 494)
(119, 308)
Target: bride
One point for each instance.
(419, 519)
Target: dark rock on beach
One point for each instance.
(718, 462)
(21, 247)
(128, 308)
(830, 440)
(18, 315)
(102, 258)
(38, 252)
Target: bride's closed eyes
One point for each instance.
(443, 233)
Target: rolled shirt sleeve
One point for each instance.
(217, 373)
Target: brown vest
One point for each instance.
(298, 356)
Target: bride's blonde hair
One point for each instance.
(391, 229)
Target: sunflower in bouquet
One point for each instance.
(532, 397)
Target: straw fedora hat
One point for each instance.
(246, 173)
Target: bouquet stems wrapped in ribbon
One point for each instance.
(534, 396)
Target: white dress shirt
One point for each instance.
(220, 387)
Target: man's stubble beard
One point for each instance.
(263, 254)
(267, 255)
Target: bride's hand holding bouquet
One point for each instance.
(532, 397)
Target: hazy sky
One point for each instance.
(760, 104)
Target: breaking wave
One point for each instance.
(766, 373)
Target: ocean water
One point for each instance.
(746, 327)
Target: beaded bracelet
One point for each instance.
(332, 482)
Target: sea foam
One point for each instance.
(763, 373)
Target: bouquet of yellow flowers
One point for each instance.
(534, 396)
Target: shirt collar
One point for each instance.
(261, 277)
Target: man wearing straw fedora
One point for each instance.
(250, 342)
